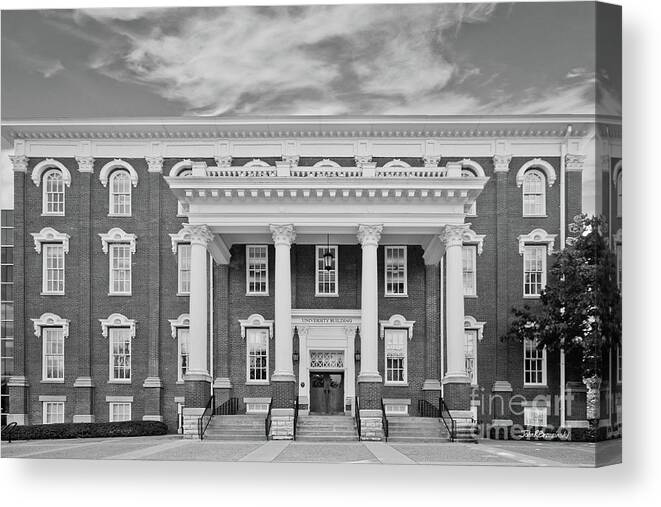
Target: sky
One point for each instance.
(442, 58)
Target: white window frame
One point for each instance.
(45, 330)
(111, 368)
(113, 404)
(111, 271)
(45, 411)
(45, 271)
(181, 289)
(248, 332)
(535, 212)
(532, 413)
(472, 251)
(474, 333)
(320, 272)
(46, 202)
(181, 209)
(526, 250)
(469, 209)
(180, 355)
(112, 211)
(529, 346)
(389, 333)
(248, 265)
(386, 292)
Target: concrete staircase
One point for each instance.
(326, 428)
(417, 430)
(465, 431)
(236, 427)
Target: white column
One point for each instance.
(283, 237)
(452, 237)
(200, 236)
(369, 236)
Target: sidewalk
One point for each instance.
(174, 448)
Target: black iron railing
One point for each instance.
(295, 416)
(205, 419)
(230, 407)
(356, 414)
(267, 422)
(384, 421)
(446, 417)
(427, 409)
(9, 429)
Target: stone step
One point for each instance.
(230, 437)
(417, 439)
(326, 438)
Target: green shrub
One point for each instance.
(88, 430)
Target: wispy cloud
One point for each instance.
(33, 61)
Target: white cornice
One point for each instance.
(311, 126)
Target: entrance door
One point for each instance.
(327, 393)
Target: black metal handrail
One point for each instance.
(205, 418)
(230, 407)
(356, 414)
(295, 416)
(384, 421)
(446, 417)
(267, 421)
(427, 409)
(9, 429)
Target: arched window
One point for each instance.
(534, 193)
(618, 188)
(53, 197)
(469, 209)
(120, 193)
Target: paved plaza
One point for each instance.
(174, 448)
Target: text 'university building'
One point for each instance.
(357, 267)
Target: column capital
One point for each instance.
(431, 160)
(369, 234)
(501, 163)
(224, 161)
(292, 160)
(85, 164)
(198, 234)
(154, 164)
(453, 235)
(283, 234)
(20, 163)
(574, 163)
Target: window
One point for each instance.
(53, 193)
(469, 209)
(470, 277)
(618, 364)
(120, 411)
(534, 269)
(258, 354)
(395, 267)
(470, 354)
(534, 364)
(183, 334)
(184, 258)
(120, 193)
(182, 207)
(120, 268)
(535, 416)
(326, 280)
(120, 354)
(53, 268)
(257, 270)
(618, 189)
(395, 355)
(53, 354)
(53, 412)
(534, 193)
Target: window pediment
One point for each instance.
(50, 163)
(182, 321)
(50, 320)
(472, 323)
(183, 236)
(117, 235)
(537, 236)
(536, 163)
(117, 164)
(50, 235)
(396, 322)
(255, 320)
(117, 320)
(471, 238)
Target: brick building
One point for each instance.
(324, 260)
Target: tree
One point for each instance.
(580, 309)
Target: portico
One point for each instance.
(287, 204)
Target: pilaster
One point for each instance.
(432, 382)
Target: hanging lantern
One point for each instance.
(328, 256)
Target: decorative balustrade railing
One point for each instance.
(324, 172)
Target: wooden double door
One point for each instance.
(327, 393)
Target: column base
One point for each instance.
(153, 386)
(457, 392)
(197, 390)
(222, 390)
(370, 395)
(158, 418)
(371, 425)
(282, 424)
(499, 403)
(18, 387)
(190, 423)
(20, 419)
(84, 400)
(283, 392)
